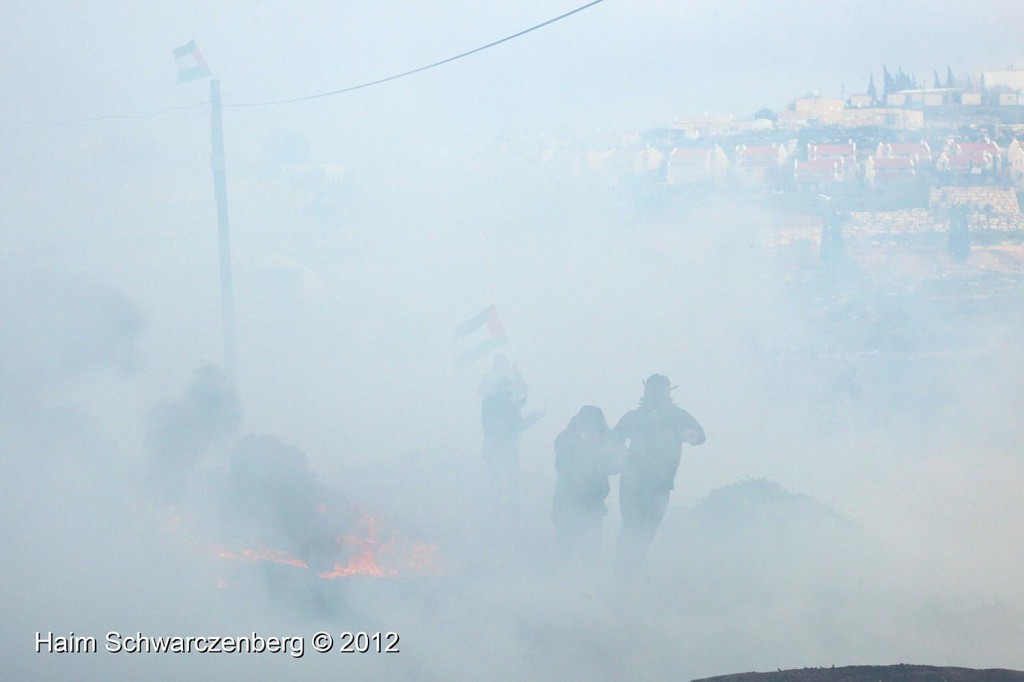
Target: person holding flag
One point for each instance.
(504, 423)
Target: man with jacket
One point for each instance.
(655, 432)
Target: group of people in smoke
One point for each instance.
(644, 448)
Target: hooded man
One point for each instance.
(655, 432)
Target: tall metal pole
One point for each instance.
(220, 191)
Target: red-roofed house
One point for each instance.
(760, 156)
(818, 172)
(919, 152)
(615, 163)
(844, 153)
(847, 152)
(881, 170)
(975, 162)
(974, 147)
(695, 164)
(755, 164)
(973, 157)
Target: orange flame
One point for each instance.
(374, 551)
(365, 552)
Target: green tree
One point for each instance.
(950, 78)
(905, 81)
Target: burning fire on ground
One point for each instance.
(267, 507)
(374, 550)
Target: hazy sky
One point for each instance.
(616, 65)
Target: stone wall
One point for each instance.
(996, 222)
(910, 220)
(977, 199)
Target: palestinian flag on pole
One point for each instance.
(478, 336)
(191, 65)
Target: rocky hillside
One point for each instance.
(877, 673)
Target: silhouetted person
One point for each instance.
(655, 431)
(586, 453)
(832, 247)
(503, 422)
(503, 369)
(959, 234)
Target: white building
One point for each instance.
(1012, 79)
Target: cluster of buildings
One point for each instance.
(897, 136)
(907, 108)
(812, 166)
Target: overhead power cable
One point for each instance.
(157, 112)
(108, 117)
(421, 68)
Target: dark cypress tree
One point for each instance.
(904, 81)
(950, 78)
(872, 92)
